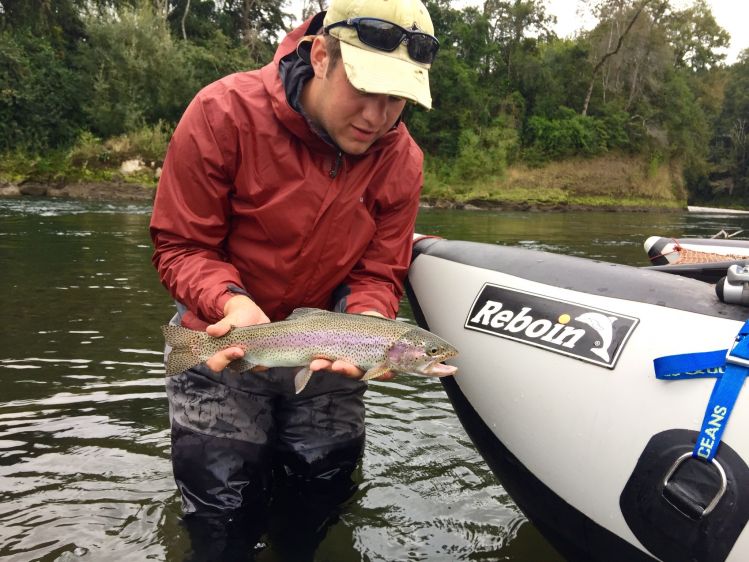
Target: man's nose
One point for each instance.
(375, 109)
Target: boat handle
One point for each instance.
(737, 273)
(718, 494)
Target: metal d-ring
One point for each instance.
(719, 493)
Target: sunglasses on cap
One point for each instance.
(386, 36)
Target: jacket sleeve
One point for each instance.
(191, 214)
(376, 282)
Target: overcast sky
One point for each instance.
(732, 15)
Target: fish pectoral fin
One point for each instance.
(301, 378)
(375, 372)
(240, 365)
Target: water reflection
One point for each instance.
(610, 236)
(84, 438)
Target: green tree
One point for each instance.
(732, 130)
(620, 22)
(39, 94)
(695, 37)
(457, 98)
(516, 26)
(60, 22)
(126, 60)
(253, 23)
(554, 77)
(472, 128)
(256, 23)
(649, 69)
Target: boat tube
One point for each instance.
(716, 210)
(666, 251)
(556, 388)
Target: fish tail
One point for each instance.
(185, 345)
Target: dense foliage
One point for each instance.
(84, 77)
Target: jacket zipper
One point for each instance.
(336, 165)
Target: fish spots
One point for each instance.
(307, 334)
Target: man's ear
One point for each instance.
(318, 57)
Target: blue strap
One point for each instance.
(730, 368)
(691, 365)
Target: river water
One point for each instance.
(84, 439)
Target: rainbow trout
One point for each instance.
(375, 345)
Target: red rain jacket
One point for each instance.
(249, 196)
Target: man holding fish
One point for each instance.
(293, 186)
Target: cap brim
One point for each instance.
(377, 72)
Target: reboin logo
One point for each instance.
(589, 334)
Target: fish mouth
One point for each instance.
(437, 369)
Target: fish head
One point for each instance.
(419, 352)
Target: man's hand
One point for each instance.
(347, 369)
(239, 311)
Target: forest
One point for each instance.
(88, 84)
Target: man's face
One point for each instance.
(353, 119)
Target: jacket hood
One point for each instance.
(284, 78)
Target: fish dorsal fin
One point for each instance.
(299, 312)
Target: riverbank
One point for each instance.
(611, 182)
(99, 191)
(120, 191)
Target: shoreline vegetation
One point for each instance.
(640, 111)
(609, 182)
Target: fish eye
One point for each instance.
(434, 351)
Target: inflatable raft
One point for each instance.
(687, 251)
(556, 388)
(716, 210)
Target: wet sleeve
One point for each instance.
(376, 282)
(191, 214)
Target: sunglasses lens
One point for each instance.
(386, 36)
(379, 34)
(422, 48)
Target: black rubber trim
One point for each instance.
(706, 272)
(668, 521)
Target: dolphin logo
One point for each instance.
(604, 326)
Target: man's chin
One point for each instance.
(354, 147)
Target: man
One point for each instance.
(292, 186)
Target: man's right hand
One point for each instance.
(239, 311)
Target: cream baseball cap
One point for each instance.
(380, 72)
